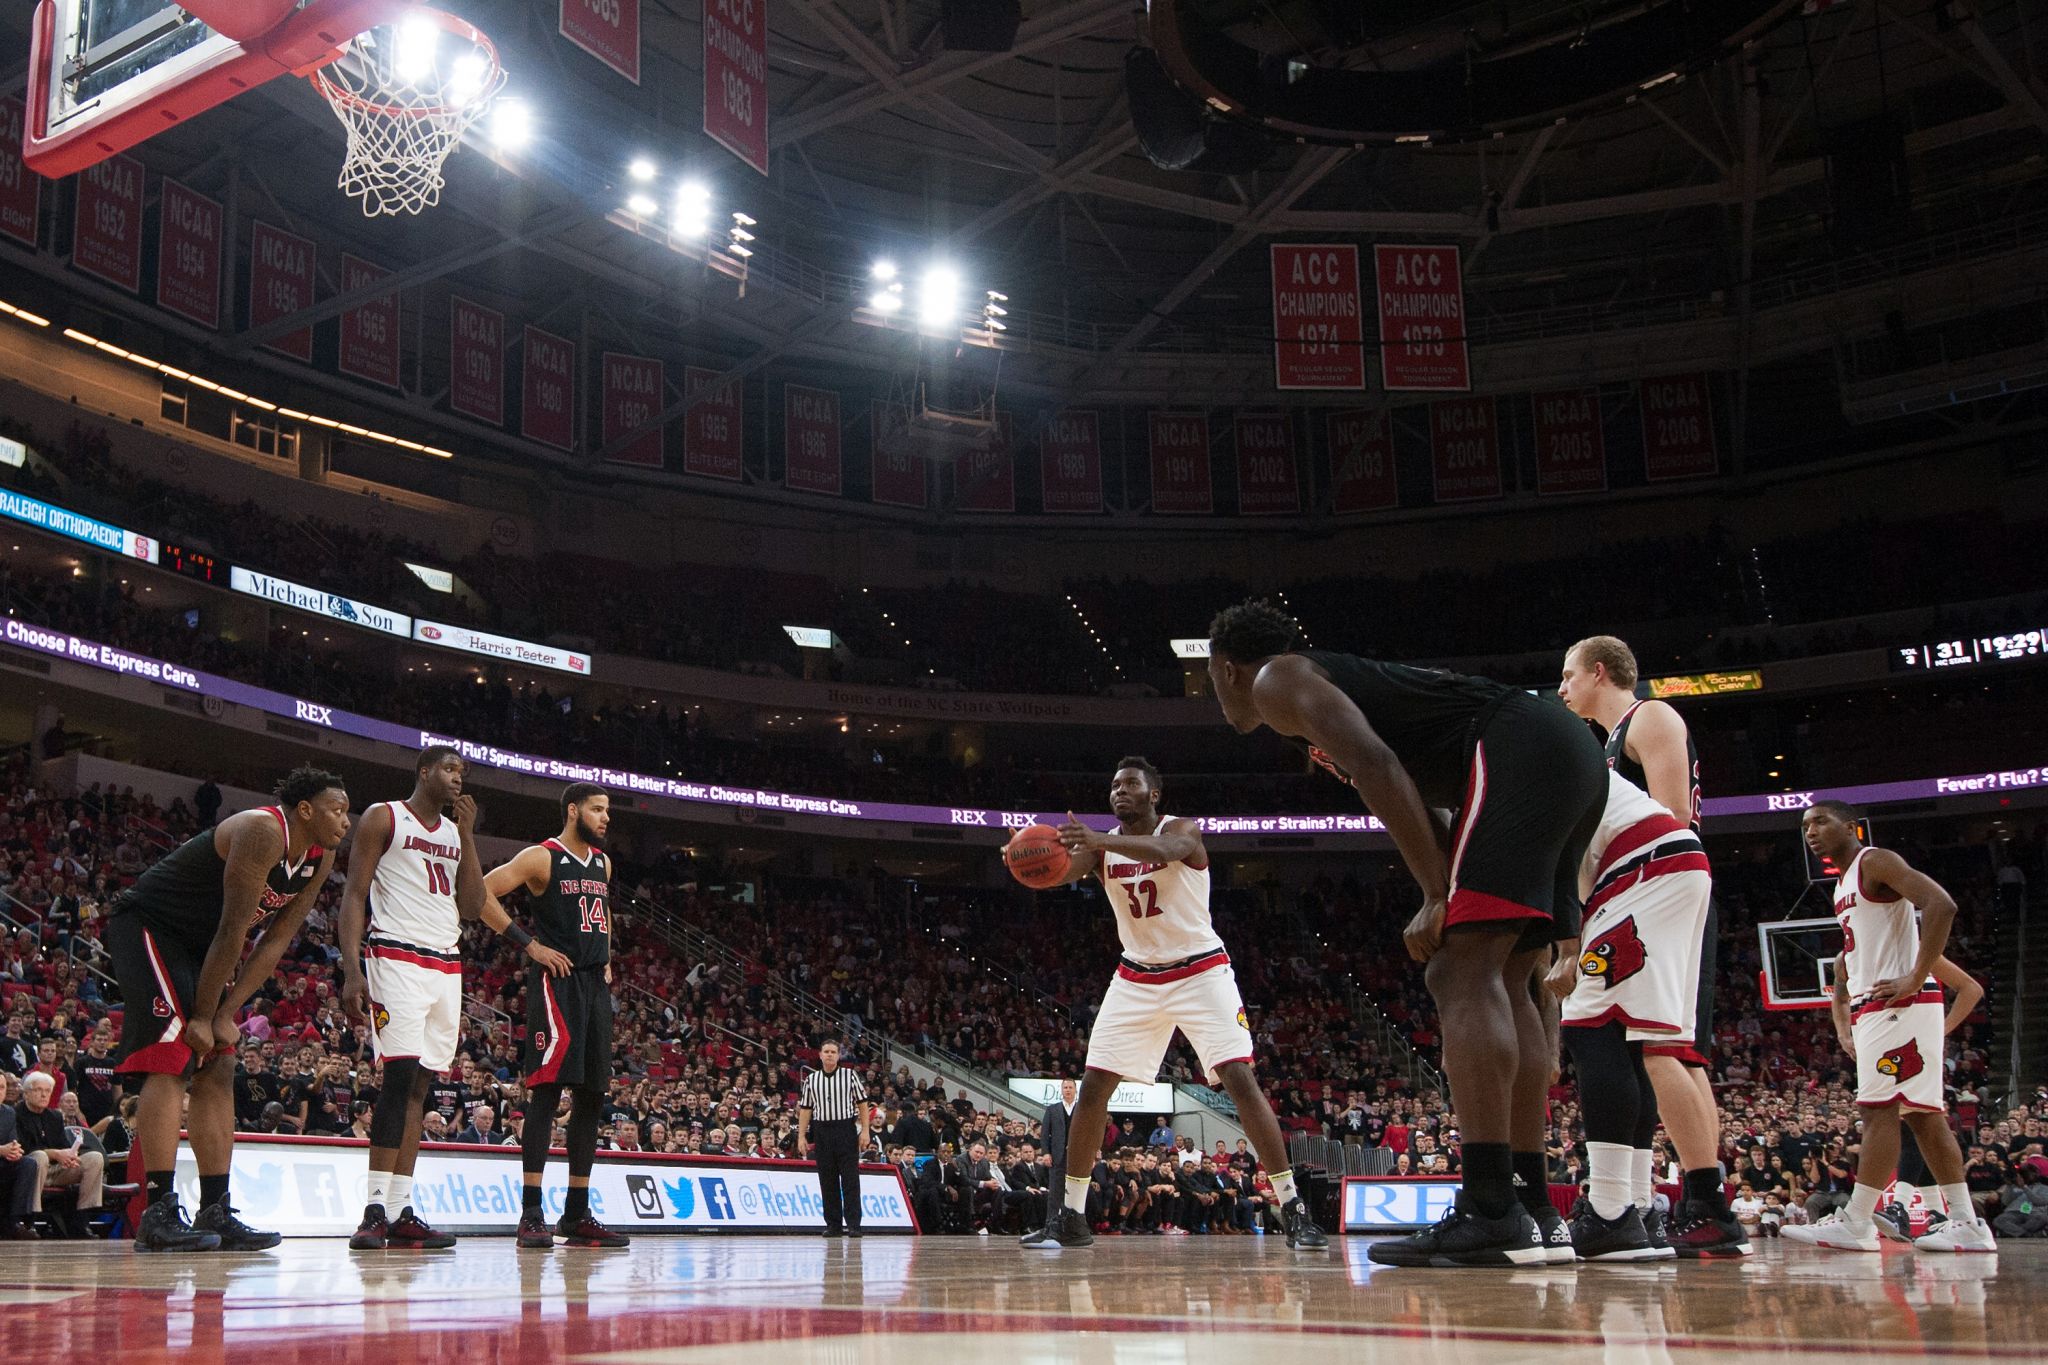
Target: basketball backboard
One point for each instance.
(1799, 962)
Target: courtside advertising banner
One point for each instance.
(501, 647)
(630, 397)
(1070, 462)
(985, 480)
(476, 360)
(898, 472)
(547, 388)
(106, 232)
(188, 245)
(736, 78)
(1397, 1204)
(280, 284)
(1422, 318)
(1318, 321)
(810, 441)
(21, 189)
(1464, 449)
(1179, 442)
(711, 426)
(1129, 1097)
(316, 1187)
(1678, 428)
(1361, 461)
(1571, 448)
(608, 30)
(1267, 481)
(369, 331)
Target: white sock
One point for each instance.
(380, 1187)
(1643, 1179)
(1960, 1209)
(1903, 1192)
(1862, 1203)
(1283, 1187)
(1608, 1178)
(1077, 1194)
(401, 1192)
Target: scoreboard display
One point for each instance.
(196, 564)
(1963, 653)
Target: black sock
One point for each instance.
(529, 1199)
(1532, 1182)
(1489, 1179)
(160, 1184)
(1704, 1187)
(213, 1189)
(577, 1204)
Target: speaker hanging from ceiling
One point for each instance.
(1177, 131)
(980, 25)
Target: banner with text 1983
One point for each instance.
(1318, 325)
(1422, 318)
(736, 78)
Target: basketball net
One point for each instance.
(406, 94)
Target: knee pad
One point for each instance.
(1610, 1082)
(394, 1102)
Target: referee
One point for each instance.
(833, 1099)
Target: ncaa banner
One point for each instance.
(1318, 324)
(629, 397)
(21, 189)
(476, 360)
(608, 30)
(1267, 484)
(897, 471)
(547, 388)
(810, 441)
(986, 480)
(1571, 447)
(188, 244)
(369, 331)
(736, 78)
(1179, 443)
(1361, 461)
(106, 231)
(280, 284)
(711, 427)
(1422, 318)
(315, 1187)
(1464, 449)
(1070, 463)
(1678, 428)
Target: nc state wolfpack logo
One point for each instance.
(160, 1007)
(1330, 766)
(1902, 1063)
(1615, 956)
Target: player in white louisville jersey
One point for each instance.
(413, 877)
(1174, 974)
(1888, 1013)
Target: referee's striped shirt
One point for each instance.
(833, 1097)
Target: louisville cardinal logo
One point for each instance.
(380, 1016)
(1615, 956)
(1902, 1063)
(1242, 1022)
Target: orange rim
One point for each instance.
(449, 23)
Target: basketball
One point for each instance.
(1037, 858)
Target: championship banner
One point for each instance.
(1318, 323)
(986, 480)
(1571, 447)
(1422, 318)
(1678, 428)
(369, 331)
(1361, 462)
(630, 394)
(21, 189)
(1464, 449)
(1179, 443)
(712, 445)
(1070, 463)
(476, 360)
(736, 78)
(897, 473)
(608, 30)
(1267, 482)
(106, 232)
(810, 441)
(280, 284)
(188, 242)
(547, 388)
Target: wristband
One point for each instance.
(520, 938)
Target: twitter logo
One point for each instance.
(260, 1195)
(682, 1196)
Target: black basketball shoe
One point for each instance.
(1301, 1229)
(411, 1233)
(1069, 1229)
(234, 1234)
(1556, 1235)
(1613, 1239)
(1653, 1225)
(163, 1228)
(536, 1233)
(1463, 1238)
(586, 1232)
(373, 1233)
(1701, 1234)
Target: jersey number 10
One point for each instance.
(437, 880)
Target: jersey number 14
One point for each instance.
(596, 919)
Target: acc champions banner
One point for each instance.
(315, 1187)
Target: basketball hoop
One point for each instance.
(406, 93)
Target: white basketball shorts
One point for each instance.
(1136, 1023)
(1639, 958)
(415, 1009)
(1898, 1054)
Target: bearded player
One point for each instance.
(1888, 1013)
(176, 938)
(1174, 974)
(567, 880)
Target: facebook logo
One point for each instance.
(716, 1200)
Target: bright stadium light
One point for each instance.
(413, 47)
(885, 300)
(511, 124)
(693, 208)
(883, 270)
(642, 206)
(938, 296)
(640, 168)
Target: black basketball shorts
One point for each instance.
(569, 1029)
(159, 975)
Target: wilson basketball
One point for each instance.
(1036, 857)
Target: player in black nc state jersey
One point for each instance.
(176, 938)
(567, 880)
(1527, 784)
